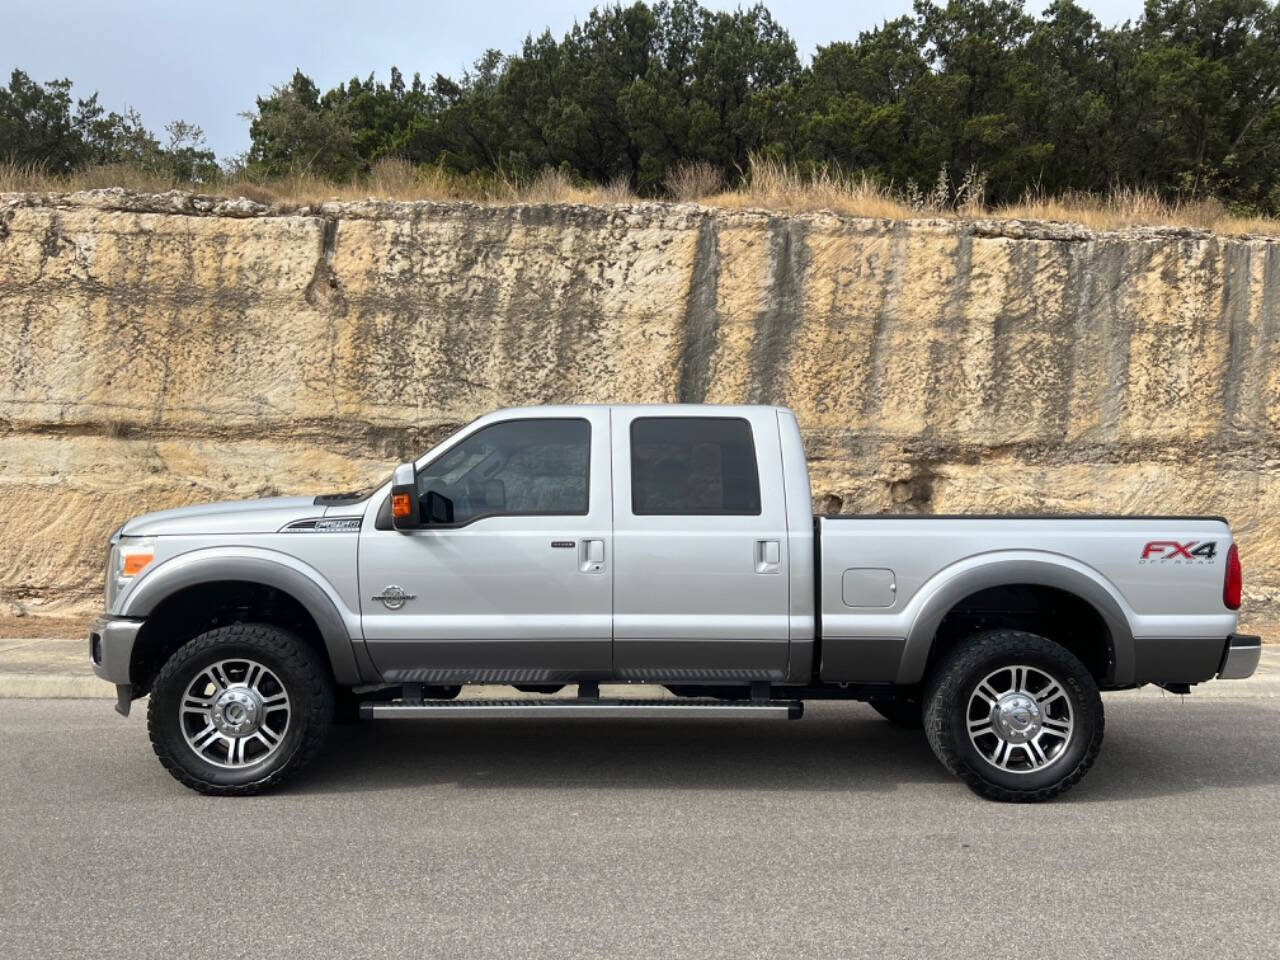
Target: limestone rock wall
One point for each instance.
(163, 350)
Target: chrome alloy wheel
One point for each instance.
(1020, 719)
(235, 713)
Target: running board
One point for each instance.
(559, 709)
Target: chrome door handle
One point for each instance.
(591, 556)
(768, 556)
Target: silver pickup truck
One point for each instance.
(668, 545)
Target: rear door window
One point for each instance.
(693, 466)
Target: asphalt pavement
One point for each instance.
(836, 836)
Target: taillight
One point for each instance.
(1233, 580)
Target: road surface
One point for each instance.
(835, 837)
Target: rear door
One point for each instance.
(700, 543)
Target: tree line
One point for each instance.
(1185, 101)
(42, 126)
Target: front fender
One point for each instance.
(968, 576)
(251, 565)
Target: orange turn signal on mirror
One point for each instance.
(135, 563)
(400, 504)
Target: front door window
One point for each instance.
(516, 468)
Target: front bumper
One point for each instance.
(1241, 657)
(111, 642)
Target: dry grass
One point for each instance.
(767, 184)
(400, 180)
(556, 186)
(617, 190)
(1130, 206)
(388, 180)
(689, 182)
(779, 186)
(23, 178)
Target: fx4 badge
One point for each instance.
(1170, 551)
(393, 597)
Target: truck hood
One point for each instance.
(235, 517)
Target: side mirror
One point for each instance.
(439, 508)
(405, 512)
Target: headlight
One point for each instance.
(129, 557)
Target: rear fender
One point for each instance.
(973, 574)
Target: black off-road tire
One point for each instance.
(905, 712)
(946, 704)
(300, 670)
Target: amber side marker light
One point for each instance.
(135, 563)
(400, 504)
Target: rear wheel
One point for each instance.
(240, 708)
(1014, 715)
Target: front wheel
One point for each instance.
(1015, 716)
(240, 708)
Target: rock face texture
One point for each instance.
(163, 350)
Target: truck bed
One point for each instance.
(884, 585)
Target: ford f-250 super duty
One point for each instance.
(670, 545)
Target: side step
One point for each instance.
(558, 709)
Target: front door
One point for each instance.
(700, 541)
(519, 587)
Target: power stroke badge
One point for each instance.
(393, 597)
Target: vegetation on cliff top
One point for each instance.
(767, 185)
(965, 106)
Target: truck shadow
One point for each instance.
(847, 747)
(1151, 749)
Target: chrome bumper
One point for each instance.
(111, 647)
(111, 654)
(1241, 658)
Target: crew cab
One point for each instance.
(675, 546)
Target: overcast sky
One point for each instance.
(173, 59)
